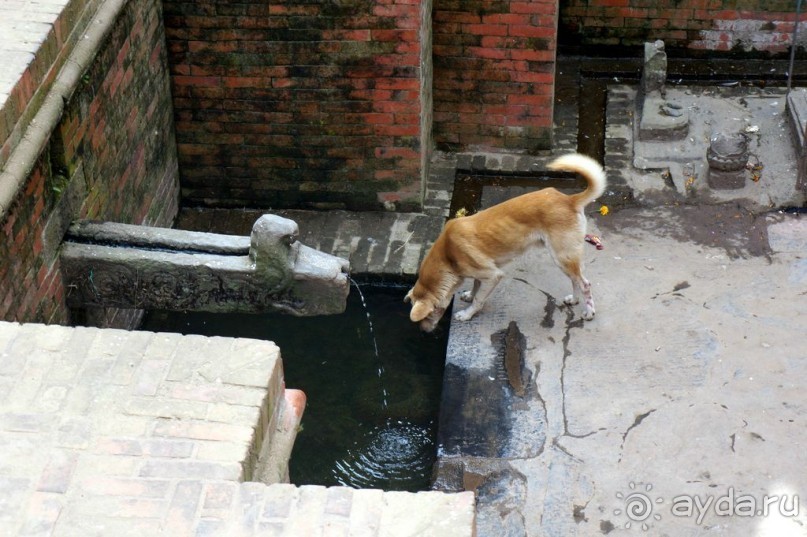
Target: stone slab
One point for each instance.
(758, 113)
(797, 115)
(107, 264)
(380, 244)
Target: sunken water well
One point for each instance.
(372, 382)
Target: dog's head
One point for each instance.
(426, 310)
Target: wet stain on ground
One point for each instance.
(549, 311)
(471, 425)
(511, 345)
(500, 490)
(678, 287)
(740, 232)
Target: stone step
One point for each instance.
(287, 511)
(796, 111)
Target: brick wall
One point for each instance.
(698, 26)
(112, 156)
(297, 103)
(494, 73)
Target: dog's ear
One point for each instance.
(408, 297)
(420, 310)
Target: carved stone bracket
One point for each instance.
(106, 264)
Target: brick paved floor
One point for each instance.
(109, 432)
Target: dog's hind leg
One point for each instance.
(580, 287)
(571, 265)
(584, 286)
(483, 286)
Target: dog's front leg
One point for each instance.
(468, 296)
(482, 289)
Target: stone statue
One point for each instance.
(660, 119)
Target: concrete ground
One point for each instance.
(685, 386)
(678, 410)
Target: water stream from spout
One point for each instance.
(375, 345)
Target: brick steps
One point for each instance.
(110, 432)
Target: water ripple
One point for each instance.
(397, 455)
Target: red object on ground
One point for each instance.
(595, 240)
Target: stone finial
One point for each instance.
(654, 72)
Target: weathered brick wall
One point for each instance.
(698, 26)
(112, 156)
(494, 73)
(297, 103)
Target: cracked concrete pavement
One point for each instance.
(677, 411)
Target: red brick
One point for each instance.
(544, 8)
(522, 30)
(379, 119)
(456, 17)
(126, 486)
(396, 11)
(506, 18)
(397, 130)
(197, 81)
(396, 152)
(397, 36)
(487, 29)
(533, 55)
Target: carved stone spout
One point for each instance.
(107, 264)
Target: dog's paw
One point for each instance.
(465, 315)
(588, 314)
(467, 296)
(570, 300)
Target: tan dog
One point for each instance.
(479, 246)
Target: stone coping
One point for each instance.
(33, 49)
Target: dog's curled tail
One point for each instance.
(588, 168)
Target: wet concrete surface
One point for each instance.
(733, 227)
(686, 384)
(684, 388)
